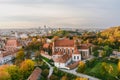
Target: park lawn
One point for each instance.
(96, 69)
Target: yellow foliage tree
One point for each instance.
(26, 68)
(3, 67)
(64, 78)
(119, 66)
(81, 78)
(4, 75)
(81, 67)
(81, 64)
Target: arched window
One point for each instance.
(68, 51)
(72, 50)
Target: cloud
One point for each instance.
(59, 12)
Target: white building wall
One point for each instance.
(75, 57)
(62, 65)
(85, 50)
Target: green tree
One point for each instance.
(45, 72)
(108, 50)
(96, 53)
(103, 53)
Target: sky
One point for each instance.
(59, 13)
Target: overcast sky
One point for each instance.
(59, 13)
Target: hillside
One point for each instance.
(111, 32)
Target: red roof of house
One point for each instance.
(62, 59)
(73, 65)
(76, 52)
(64, 43)
(7, 53)
(35, 74)
(12, 42)
(83, 47)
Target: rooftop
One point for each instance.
(64, 43)
(63, 59)
(35, 74)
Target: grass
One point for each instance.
(95, 71)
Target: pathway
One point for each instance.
(51, 68)
(79, 74)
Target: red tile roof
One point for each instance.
(62, 59)
(7, 53)
(35, 74)
(12, 42)
(76, 52)
(64, 43)
(73, 65)
(83, 47)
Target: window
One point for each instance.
(68, 51)
(77, 57)
(74, 57)
(72, 51)
(64, 50)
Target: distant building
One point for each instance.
(6, 56)
(8, 52)
(23, 36)
(12, 44)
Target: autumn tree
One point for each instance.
(118, 75)
(5, 75)
(119, 66)
(64, 77)
(20, 55)
(103, 70)
(78, 78)
(81, 67)
(14, 72)
(26, 68)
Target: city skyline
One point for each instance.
(59, 13)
